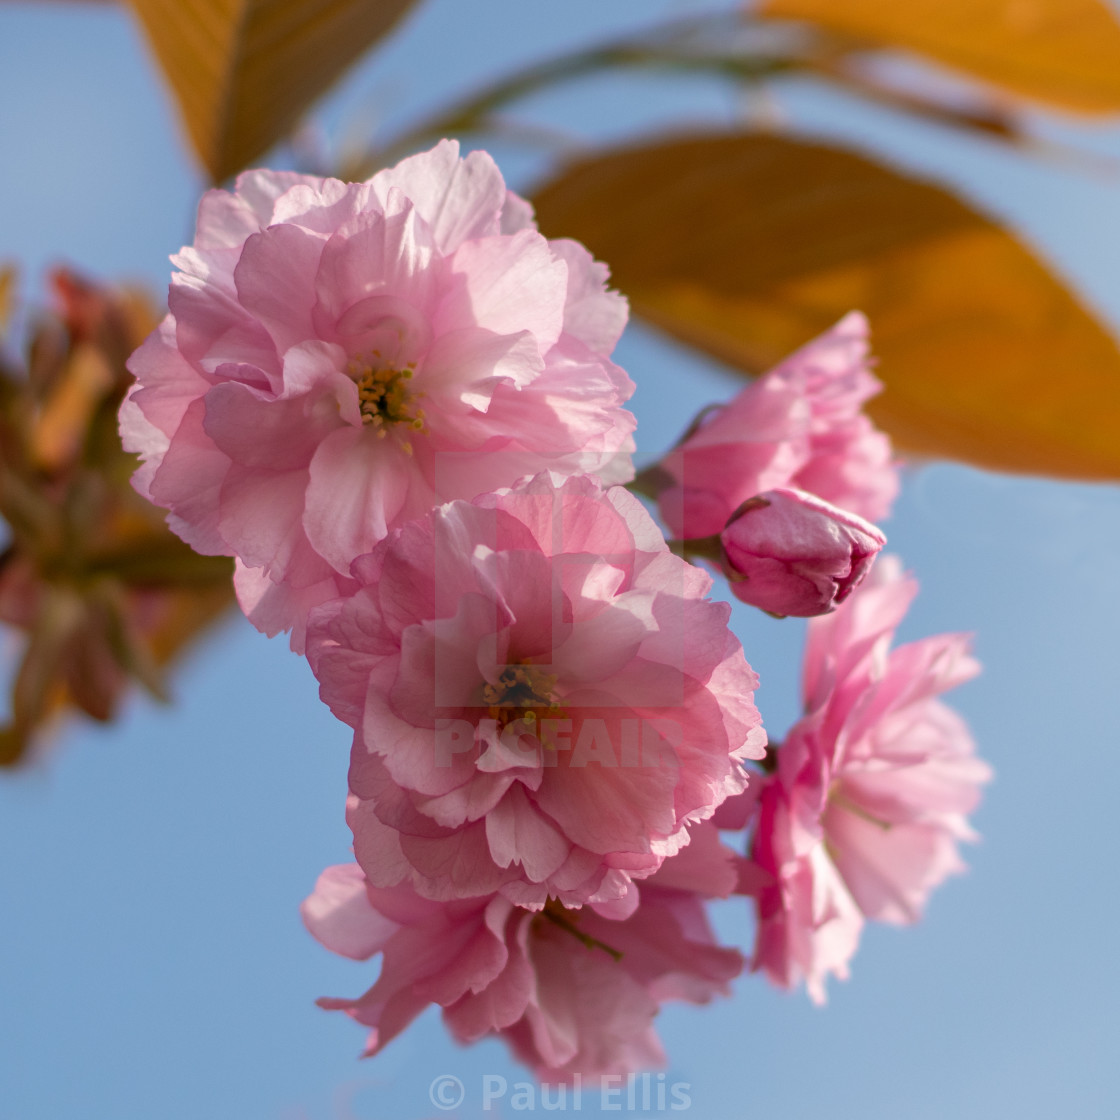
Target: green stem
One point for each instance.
(701, 548)
(579, 935)
(843, 802)
(651, 481)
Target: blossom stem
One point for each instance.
(579, 935)
(699, 548)
(651, 481)
(842, 802)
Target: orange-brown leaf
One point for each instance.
(7, 288)
(1064, 53)
(63, 424)
(243, 71)
(746, 246)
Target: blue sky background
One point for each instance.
(152, 962)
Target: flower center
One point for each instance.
(385, 398)
(521, 692)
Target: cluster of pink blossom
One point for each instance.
(393, 403)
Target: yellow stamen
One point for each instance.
(384, 397)
(522, 692)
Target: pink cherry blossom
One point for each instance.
(799, 425)
(791, 553)
(873, 786)
(573, 991)
(542, 697)
(339, 357)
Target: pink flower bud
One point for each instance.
(791, 553)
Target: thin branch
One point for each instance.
(668, 48)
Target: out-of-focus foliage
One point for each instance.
(244, 71)
(7, 287)
(748, 245)
(97, 583)
(1062, 53)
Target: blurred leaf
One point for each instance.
(101, 591)
(243, 71)
(746, 246)
(63, 425)
(183, 614)
(7, 289)
(37, 691)
(1065, 53)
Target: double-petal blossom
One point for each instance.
(873, 786)
(542, 697)
(340, 357)
(573, 991)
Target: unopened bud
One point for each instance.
(791, 553)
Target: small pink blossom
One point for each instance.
(872, 790)
(542, 697)
(791, 553)
(340, 357)
(799, 425)
(573, 991)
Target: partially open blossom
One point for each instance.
(340, 357)
(799, 425)
(872, 790)
(791, 553)
(542, 697)
(573, 991)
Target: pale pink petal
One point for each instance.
(468, 364)
(226, 219)
(517, 214)
(275, 280)
(517, 832)
(592, 314)
(460, 199)
(265, 434)
(508, 285)
(213, 329)
(262, 519)
(338, 914)
(189, 481)
(374, 255)
(275, 607)
(890, 869)
(357, 484)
